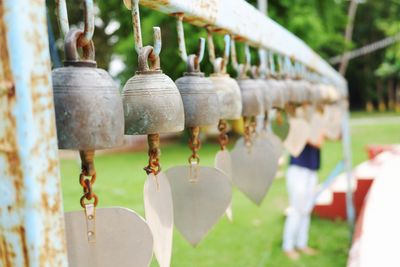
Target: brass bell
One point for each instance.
(278, 96)
(264, 85)
(251, 97)
(88, 106)
(229, 96)
(199, 98)
(151, 100)
(228, 91)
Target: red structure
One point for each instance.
(363, 175)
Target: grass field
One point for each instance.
(254, 238)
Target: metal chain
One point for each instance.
(88, 193)
(266, 120)
(223, 138)
(88, 170)
(247, 131)
(194, 145)
(154, 166)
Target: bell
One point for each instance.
(268, 94)
(276, 87)
(151, 100)
(88, 106)
(252, 97)
(229, 97)
(199, 98)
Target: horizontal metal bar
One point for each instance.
(366, 49)
(245, 22)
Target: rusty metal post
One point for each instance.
(31, 211)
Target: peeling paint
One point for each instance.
(31, 215)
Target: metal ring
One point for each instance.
(71, 45)
(95, 200)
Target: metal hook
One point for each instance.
(262, 68)
(241, 69)
(137, 31)
(219, 63)
(198, 57)
(62, 17)
(271, 63)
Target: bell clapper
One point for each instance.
(154, 153)
(88, 170)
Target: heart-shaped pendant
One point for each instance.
(275, 141)
(159, 216)
(317, 130)
(253, 168)
(280, 125)
(223, 162)
(333, 120)
(122, 239)
(201, 196)
(298, 136)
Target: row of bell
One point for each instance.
(91, 114)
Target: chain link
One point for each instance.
(87, 177)
(247, 131)
(223, 138)
(194, 145)
(88, 193)
(154, 166)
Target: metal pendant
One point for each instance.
(298, 136)
(317, 130)
(201, 196)
(333, 120)
(253, 166)
(159, 216)
(280, 125)
(122, 239)
(275, 141)
(223, 162)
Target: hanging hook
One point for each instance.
(62, 17)
(219, 63)
(262, 68)
(137, 31)
(271, 64)
(193, 60)
(241, 69)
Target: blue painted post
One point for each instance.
(31, 211)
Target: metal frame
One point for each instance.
(246, 23)
(31, 207)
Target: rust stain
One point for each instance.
(155, 4)
(24, 245)
(5, 255)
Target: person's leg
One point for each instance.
(295, 180)
(304, 225)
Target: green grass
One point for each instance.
(254, 238)
(374, 114)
